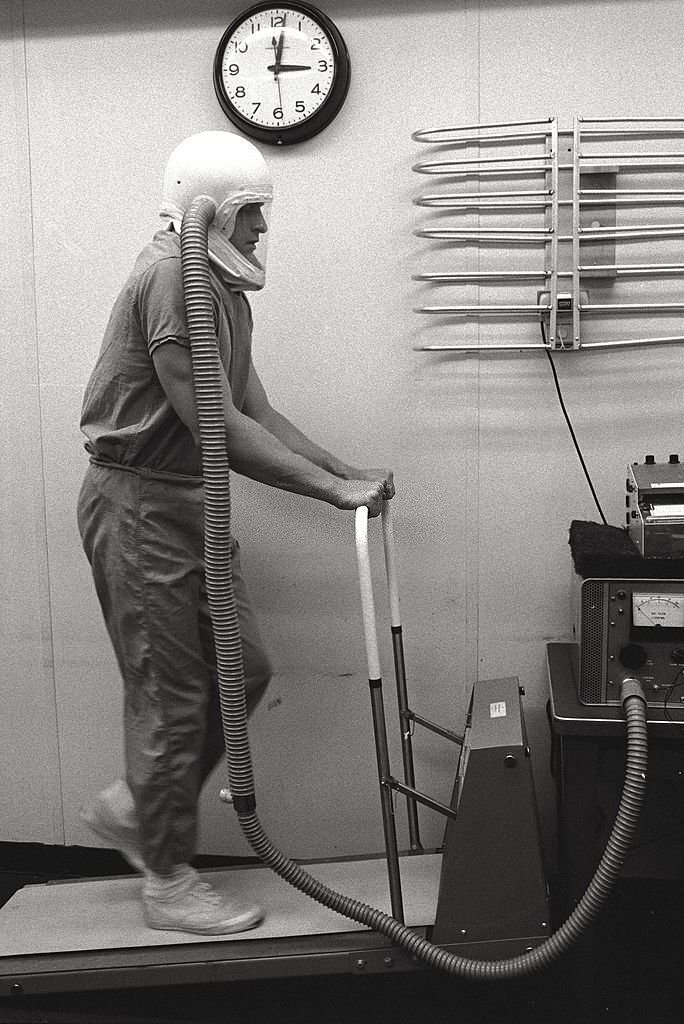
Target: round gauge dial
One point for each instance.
(658, 609)
(281, 72)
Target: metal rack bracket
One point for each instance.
(580, 199)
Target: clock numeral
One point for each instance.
(316, 43)
(256, 107)
(240, 92)
(278, 113)
(233, 69)
(277, 20)
(322, 66)
(316, 89)
(300, 107)
(240, 47)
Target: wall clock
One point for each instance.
(281, 72)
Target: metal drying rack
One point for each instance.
(577, 198)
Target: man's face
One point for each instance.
(249, 226)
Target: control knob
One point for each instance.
(633, 656)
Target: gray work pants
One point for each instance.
(143, 535)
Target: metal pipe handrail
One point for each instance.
(553, 256)
(633, 341)
(631, 307)
(377, 704)
(423, 798)
(469, 162)
(633, 230)
(626, 133)
(650, 200)
(428, 167)
(508, 310)
(491, 276)
(678, 226)
(483, 172)
(375, 681)
(447, 734)
(631, 192)
(431, 232)
(636, 269)
(521, 138)
(490, 234)
(519, 309)
(400, 669)
(660, 119)
(422, 134)
(489, 195)
(479, 277)
(483, 348)
(481, 201)
(623, 343)
(576, 130)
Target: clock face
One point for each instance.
(281, 73)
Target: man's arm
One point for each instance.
(253, 450)
(258, 408)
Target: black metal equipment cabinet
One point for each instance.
(588, 758)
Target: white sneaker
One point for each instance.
(193, 906)
(111, 816)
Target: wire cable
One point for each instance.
(570, 426)
(670, 690)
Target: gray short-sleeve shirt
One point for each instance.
(126, 416)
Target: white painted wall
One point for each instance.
(30, 804)
(94, 98)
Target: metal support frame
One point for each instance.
(407, 718)
(575, 192)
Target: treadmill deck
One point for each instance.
(91, 934)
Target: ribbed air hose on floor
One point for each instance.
(218, 569)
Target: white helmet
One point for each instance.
(232, 172)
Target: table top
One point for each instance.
(572, 718)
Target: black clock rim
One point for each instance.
(322, 117)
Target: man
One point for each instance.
(140, 515)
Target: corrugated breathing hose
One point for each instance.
(218, 570)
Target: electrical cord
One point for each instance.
(583, 464)
(670, 690)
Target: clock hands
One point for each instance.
(279, 67)
(281, 43)
(275, 68)
(288, 67)
(278, 50)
